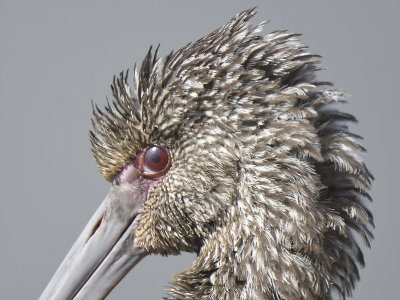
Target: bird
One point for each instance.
(229, 148)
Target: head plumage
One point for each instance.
(220, 71)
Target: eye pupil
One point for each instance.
(155, 158)
(155, 161)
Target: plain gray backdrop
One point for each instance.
(57, 56)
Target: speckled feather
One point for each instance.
(266, 183)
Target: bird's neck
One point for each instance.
(245, 260)
(230, 265)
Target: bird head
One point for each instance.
(228, 148)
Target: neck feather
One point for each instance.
(243, 261)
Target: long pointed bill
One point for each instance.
(104, 252)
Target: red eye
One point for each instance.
(155, 162)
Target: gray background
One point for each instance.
(56, 57)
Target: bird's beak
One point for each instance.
(104, 252)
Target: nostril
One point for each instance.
(96, 226)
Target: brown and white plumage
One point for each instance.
(266, 183)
